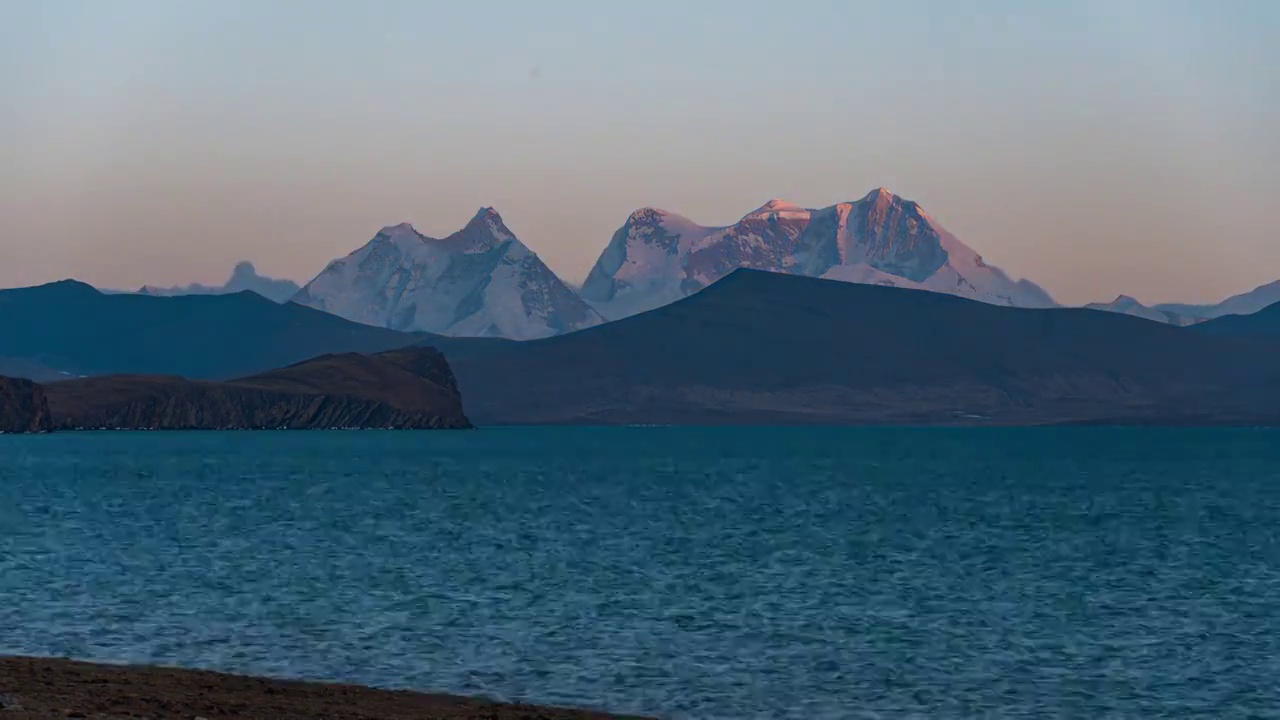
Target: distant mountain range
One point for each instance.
(754, 347)
(479, 282)
(1181, 314)
(70, 329)
(659, 257)
(1126, 305)
(482, 281)
(1265, 322)
(244, 277)
(1242, 304)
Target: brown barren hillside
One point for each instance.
(401, 389)
(23, 407)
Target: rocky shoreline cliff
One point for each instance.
(410, 389)
(24, 408)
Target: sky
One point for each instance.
(1098, 147)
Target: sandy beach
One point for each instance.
(39, 688)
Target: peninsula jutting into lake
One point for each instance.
(409, 389)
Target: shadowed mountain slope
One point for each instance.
(69, 327)
(1265, 322)
(771, 348)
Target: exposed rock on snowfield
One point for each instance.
(658, 257)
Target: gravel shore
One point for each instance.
(32, 688)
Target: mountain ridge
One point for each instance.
(1128, 305)
(772, 348)
(1264, 322)
(244, 276)
(480, 281)
(1245, 303)
(658, 257)
(655, 258)
(70, 328)
(753, 348)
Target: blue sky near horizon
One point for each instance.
(1094, 147)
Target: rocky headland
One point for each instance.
(23, 407)
(409, 389)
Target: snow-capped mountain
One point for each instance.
(658, 257)
(1130, 306)
(480, 281)
(243, 277)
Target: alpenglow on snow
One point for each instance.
(482, 281)
(658, 257)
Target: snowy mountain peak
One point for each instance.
(779, 208)
(482, 233)
(401, 230)
(882, 200)
(489, 218)
(647, 215)
(479, 281)
(775, 205)
(882, 239)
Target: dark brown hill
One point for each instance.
(403, 389)
(23, 407)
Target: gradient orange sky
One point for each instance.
(1094, 147)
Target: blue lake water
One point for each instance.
(707, 573)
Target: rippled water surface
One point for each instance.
(813, 573)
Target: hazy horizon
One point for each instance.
(1096, 148)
